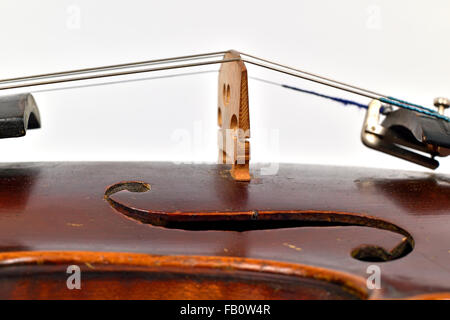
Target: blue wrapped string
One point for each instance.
(414, 107)
(345, 102)
(389, 100)
(411, 104)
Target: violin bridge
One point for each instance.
(233, 117)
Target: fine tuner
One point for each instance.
(403, 129)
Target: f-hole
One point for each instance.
(263, 220)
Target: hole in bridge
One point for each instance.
(233, 123)
(219, 117)
(226, 94)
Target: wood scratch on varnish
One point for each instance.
(291, 246)
(75, 224)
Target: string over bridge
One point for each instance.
(411, 125)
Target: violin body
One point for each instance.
(233, 230)
(142, 230)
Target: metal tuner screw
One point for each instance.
(441, 104)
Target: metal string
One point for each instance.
(96, 73)
(115, 67)
(97, 76)
(337, 82)
(388, 100)
(98, 84)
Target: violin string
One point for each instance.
(412, 107)
(115, 67)
(295, 74)
(18, 82)
(176, 59)
(113, 74)
(311, 74)
(57, 77)
(314, 93)
(98, 84)
(393, 102)
(337, 82)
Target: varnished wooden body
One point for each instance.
(55, 214)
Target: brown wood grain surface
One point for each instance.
(290, 235)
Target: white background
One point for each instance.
(399, 48)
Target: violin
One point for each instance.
(231, 230)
